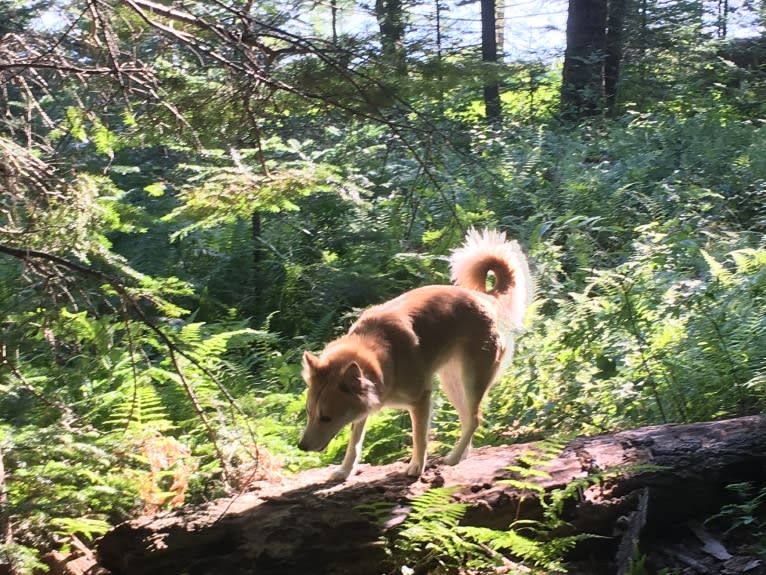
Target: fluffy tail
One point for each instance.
(488, 251)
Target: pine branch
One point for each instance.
(69, 415)
(235, 40)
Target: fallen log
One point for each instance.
(669, 475)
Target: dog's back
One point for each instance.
(417, 333)
(431, 323)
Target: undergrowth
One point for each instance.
(431, 539)
(644, 232)
(744, 515)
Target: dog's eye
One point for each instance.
(325, 418)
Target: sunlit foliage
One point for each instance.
(185, 210)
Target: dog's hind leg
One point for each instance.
(420, 414)
(353, 452)
(451, 380)
(465, 382)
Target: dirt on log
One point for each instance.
(304, 524)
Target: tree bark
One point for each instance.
(613, 57)
(582, 89)
(492, 104)
(670, 473)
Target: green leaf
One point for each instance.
(156, 190)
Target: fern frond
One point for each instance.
(437, 504)
(140, 409)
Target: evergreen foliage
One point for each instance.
(190, 199)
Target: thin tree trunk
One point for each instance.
(500, 29)
(439, 63)
(492, 103)
(723, 18)
(613, 60)
(334, 18)
(258, 256)
(390, 16)
(642, 50)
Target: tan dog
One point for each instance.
(463, 332)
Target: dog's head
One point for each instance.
(338, 394)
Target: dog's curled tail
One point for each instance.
(488, 251)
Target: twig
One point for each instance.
(630, 538)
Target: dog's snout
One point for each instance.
(309, 442)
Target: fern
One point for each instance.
(87, 527)
(656, 338)
(745, 513)
(142, 410)
(25, 559)
(532, 463)
(430, 536)
(535, 551)
(137, 405)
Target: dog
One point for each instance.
(464, 333)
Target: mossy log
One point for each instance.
(669, 475)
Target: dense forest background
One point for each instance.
(194, 193)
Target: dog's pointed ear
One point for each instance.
(310, 362)
(353, 379)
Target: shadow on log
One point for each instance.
(306, 525)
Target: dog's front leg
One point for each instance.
(420, 414)
(353, 452)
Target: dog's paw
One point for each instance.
(341, 473)
(415, 468)
(453, 458)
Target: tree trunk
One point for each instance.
(334, 21)
(390, 16)
(582, 90)
(257, 287)
(613, 59)
(492, 104)
(670, 474)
